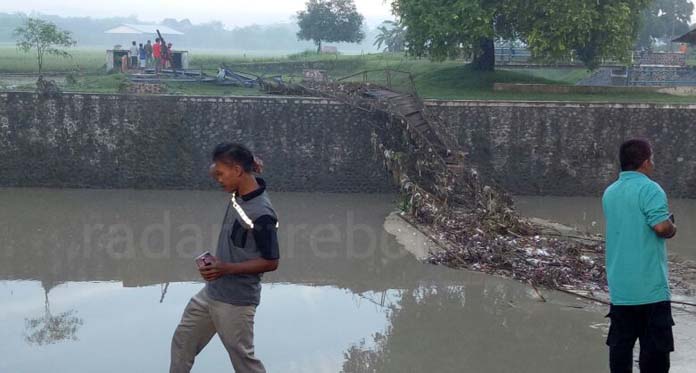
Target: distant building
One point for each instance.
(143, 32)
(150, 30)
(328, 49)
(688, 38)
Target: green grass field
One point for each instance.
(85, 59)
(438, 80)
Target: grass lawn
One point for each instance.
(85, 59)
(461, 83)
(558, 75)
(437, 80)
(97, 83)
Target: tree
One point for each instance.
(184, 25)
(44, 37)
(664, 20)
(330, 20)
(590, 30)
(392, 35)
(50, 328)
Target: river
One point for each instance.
(585, 213)
(96, 280)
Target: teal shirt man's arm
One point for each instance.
(656, 210)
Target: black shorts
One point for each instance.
(651, 323)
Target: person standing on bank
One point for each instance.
(133, 53)
(157, 54)
(148, 51)
(637, 223)
(247, 248)
(142, 57)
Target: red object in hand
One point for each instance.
(204, 259)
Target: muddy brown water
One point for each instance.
(585, 213)
(94, 280)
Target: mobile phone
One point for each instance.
(671, 218)
(204, 259)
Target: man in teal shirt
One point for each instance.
(637, 223)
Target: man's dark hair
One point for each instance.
(633, 153)
(157, 40)
(133, 42)
(232, 153)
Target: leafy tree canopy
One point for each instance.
(330, 20)
(590, 30)
(43, 37)
(392, 35)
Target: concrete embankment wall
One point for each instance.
(121, 141)
(570, 149)
(308, 144)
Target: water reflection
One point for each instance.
(298, 328)
(49, 328)
(122, 262)
(480, 327)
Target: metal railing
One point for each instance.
(395, 80)
(401, 82)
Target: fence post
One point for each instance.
(413, 85)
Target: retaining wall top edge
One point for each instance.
(325, 101)
(559, 104)
(302, 99)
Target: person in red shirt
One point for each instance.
(157, 54)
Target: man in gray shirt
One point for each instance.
(247, 248)
(133, 54)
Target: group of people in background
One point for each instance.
(157, 55)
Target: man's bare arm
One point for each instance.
(666, 229)
(253, 266)
(218, 269)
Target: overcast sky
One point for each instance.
(230, 12)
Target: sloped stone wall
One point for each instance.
(309, 144)
(128, 141)
(570, 149)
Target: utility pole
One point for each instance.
(674, 20)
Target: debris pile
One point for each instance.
(538, 259)
(47, 88)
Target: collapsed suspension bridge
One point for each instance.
(462, 209)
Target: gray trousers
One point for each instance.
(203, 317)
